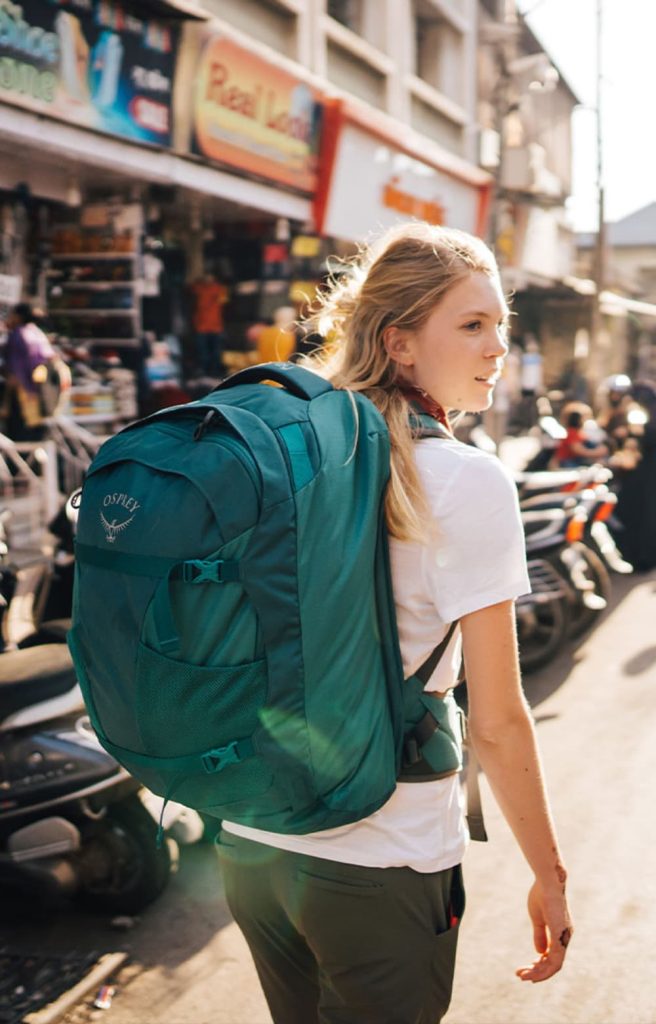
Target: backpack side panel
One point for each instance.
(352, 736)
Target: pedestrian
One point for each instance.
(636, 505)
(34, 376)
(209, 296)
(531, 380)
(359, 924)
(577, 448)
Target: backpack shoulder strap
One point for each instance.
(299, 381)
(432, 661)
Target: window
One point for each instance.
(347, 12)
(265, 20)
(439, 51)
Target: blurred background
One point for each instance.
(175, 178)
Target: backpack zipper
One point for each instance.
(240, 451)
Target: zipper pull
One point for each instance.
(204, 425)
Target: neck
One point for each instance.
(429, 405)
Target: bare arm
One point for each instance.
(501, 729)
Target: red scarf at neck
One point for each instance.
(428, 405)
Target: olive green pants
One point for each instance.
(338, 944)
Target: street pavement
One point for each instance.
(595, 709)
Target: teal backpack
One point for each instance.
(233, 625)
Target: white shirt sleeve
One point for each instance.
(478, 556)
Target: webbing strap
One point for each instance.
(294, 441)
(210, 761)
(432, 661)
(191, 570)
(120, 561)
(475, 821)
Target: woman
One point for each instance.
(358, 924)
(33, 376)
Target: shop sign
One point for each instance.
(95, 63)
(255, 116)
(373, 186)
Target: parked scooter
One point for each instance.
(542, 616)
(73, 823)
(569, 580)
(593, 552)
(52, 596)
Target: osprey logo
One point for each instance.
(114, 526)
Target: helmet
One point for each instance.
(619, 383)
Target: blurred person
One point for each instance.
(35, 376)
(358, 924)
(614, 403)
(209, 296)
(636, 505)
(531, 382)
(577, 448)
(276, 342)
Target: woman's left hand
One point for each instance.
(552, 931)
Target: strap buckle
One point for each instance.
(218, 759)
(198, 571)
(411, 752)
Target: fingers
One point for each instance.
(540, 938)
(551, 960)
(548, 965)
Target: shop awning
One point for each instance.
(576, 288)
(183, 9)
(73, 148)
(619, 305)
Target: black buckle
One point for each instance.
(411, 752)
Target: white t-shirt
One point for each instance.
(476, 559)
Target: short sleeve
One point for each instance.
(478, 556)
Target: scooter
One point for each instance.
(73, 823)
(52, 587)
(570, 587)
(542, 615)
(593, 552)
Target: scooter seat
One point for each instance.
(31, 676)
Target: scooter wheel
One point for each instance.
(122, 869)
(541, 634)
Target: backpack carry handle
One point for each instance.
(302, 383)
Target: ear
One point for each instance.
(397, 346)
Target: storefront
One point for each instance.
(405, 177)
(114, 215)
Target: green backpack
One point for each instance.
(233, 625)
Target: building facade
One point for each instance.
(245, 141)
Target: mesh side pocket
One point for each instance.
(185, 709)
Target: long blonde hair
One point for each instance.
(396, 282)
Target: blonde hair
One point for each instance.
(396, 282)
